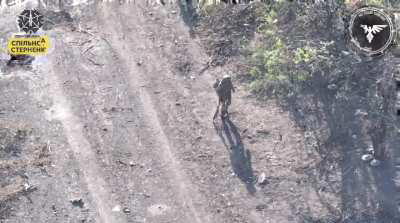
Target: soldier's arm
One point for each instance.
(215, 85)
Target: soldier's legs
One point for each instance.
(229, 98)
(227, 103)
(224, 109)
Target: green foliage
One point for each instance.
(304, 55)
(207, 10)
(369, 2)
(282, 65)
(269, 59)
(278, 68)
(375, 2)
(275, 67)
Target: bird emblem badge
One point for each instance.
(371, 30)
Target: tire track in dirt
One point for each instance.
(195, 118)
(187, 193)
(83, 153)
(163, 31)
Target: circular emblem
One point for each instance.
(30, 21)
(371, 30)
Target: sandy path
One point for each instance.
(84, 154)
(112, 18)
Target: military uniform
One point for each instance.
(224, 89)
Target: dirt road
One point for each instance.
(129, 119)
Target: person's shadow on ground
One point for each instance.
(239, 156)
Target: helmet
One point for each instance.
(226, 76)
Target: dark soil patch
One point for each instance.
(183, 62)
(225, 29)
(19, 154)
(11, 142)
(53, 19)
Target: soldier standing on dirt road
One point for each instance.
(224, 89)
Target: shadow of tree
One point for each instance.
(368, 194)
(188, 14)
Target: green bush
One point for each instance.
(277, 68)
(375, 2)
(370, 2)
(284, 62)
(304, 55)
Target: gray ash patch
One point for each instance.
(11, 142)
(53, 19)
(183, 62)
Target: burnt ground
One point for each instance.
(115, 125)
(341, 125)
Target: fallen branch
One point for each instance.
(204, 69)
(87, 49)
(108, 43)
(84, 31)
(94, 62)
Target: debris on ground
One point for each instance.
(16, 188)
(360, 112)
(367, 157)
(262, 179)
(375, 163)
(77, 202)
(126, 210)
(117, 208)
(370, 150)
(263, 132)
(261, 207)
(183, 62)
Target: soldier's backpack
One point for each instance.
(218, 86)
